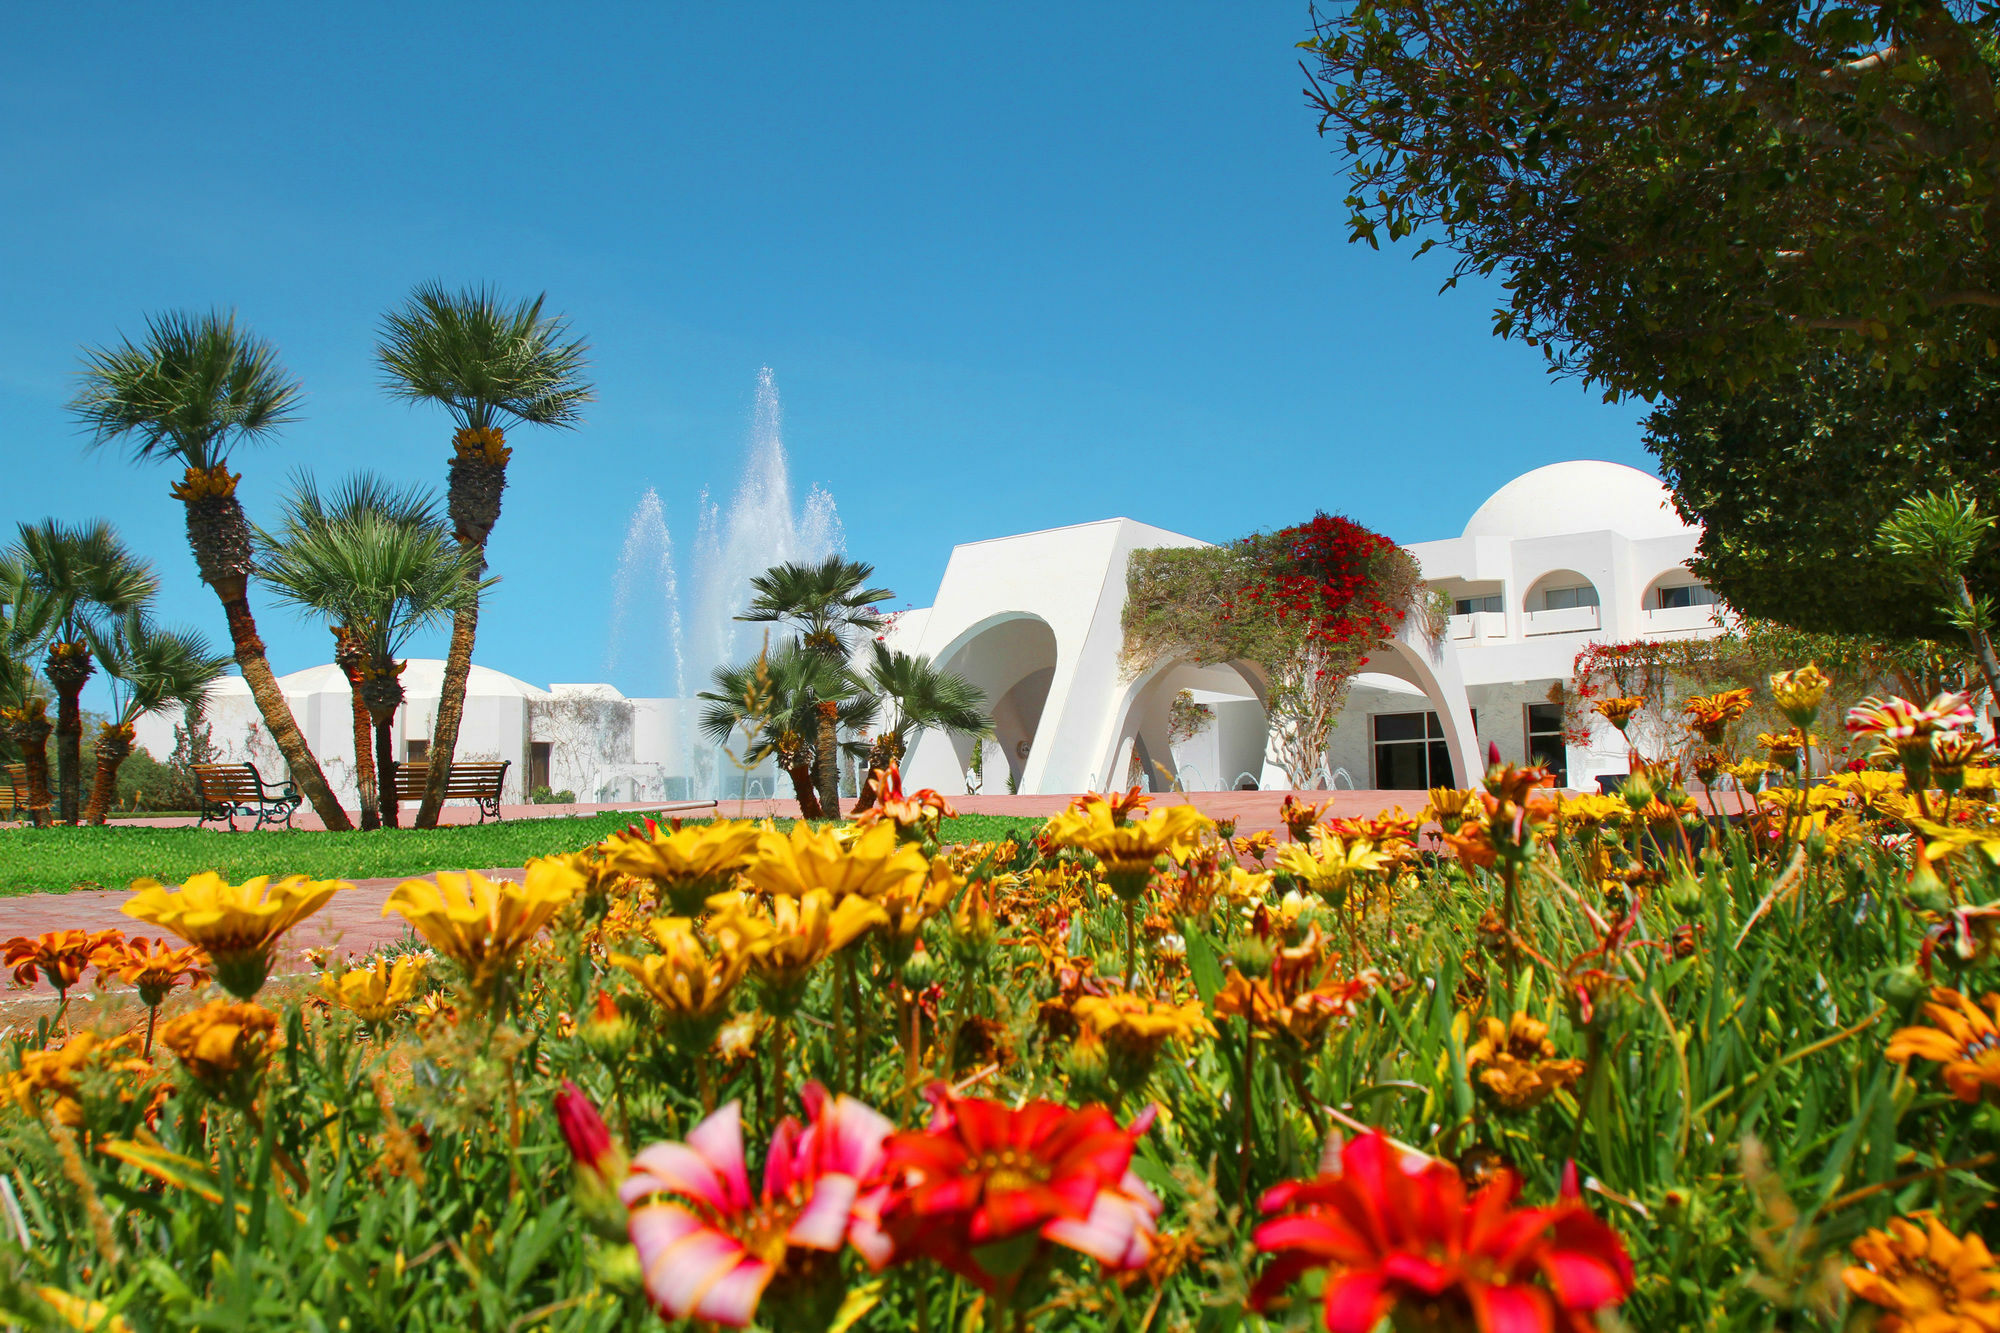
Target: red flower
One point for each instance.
(1389, 1232)
(590, 1143)
(985, 1184)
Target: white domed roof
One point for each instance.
(422, 677)
(1583, 496)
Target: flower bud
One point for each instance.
(921, 969)
(1253, 956)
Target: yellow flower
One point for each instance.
(691, 985)
(1245, 888)
(482, 924)
(1136, 1028)
(795, 936)
(1962, 1037)
(1330, 867)
(1521, 1068)
(1594, 808)
(82, 1314)
(49, 1082)
(1709, 714)
(373, 994)
(1925, 1279)
(870, 864)
(690, 864)
(1303, 995)
(224, 1046)
(1618, 712)
(1798, 693)
(1451, 806)
(1128, 851)
(205, 483)
(907, 906)
(236, 923)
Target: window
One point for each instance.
(1565, 599)
(538, 765)
(1410, 752)
(1465, 606)
(1687, 594)
(417, 752)
(1546, 745)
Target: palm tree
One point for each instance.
(150, 669)
(378, 564)
(195, 388)
(488, 364)
(73, 581)
(824, 604)
(918, 697)
(800, 681)
(24, 706)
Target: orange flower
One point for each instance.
(63, 955)
(1521, 1070)
(1925, 1279)
(1709, 714)
(49, 1082)
(1122, 806)
(1300, 816)
(151, 967)
(1618, 712)
(1962, 1037)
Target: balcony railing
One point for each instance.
(1479, 625)
(1682, 619)
(1568, 620)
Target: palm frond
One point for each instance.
(482, 358)
(192, 388)
(153, 668)
(74, 575)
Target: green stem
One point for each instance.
(1131, 952)
(1248, 1094)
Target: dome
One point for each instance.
(1583, 496)
(423, 677)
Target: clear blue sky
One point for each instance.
(1015, 266)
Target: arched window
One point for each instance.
(1562, 590)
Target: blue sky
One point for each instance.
(1014, 266)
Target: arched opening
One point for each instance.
(1202, 728)
(1013, 659)
(1561, 601)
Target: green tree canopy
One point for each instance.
(1791, 478)
(1684, 192)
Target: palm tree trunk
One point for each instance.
(383, 695)
(114, 744)
(219, 534)
(68, 668)
(29, 728)
(385, 766)
(827, 759)
(450, 709)
(802, 787)
(351, 655)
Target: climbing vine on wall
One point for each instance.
(1307, 603)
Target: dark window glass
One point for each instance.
(1410, 752)
(1399, 726)
(1545, 740)
(1689, 594)
(1465, 606)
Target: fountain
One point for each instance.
(690, 636)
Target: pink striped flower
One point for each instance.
(708, 1245)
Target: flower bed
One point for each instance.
(1132, 1072)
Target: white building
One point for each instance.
(1561, 557)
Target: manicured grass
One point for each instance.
(58, 859)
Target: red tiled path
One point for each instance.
(354, 923)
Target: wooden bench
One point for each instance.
(229, 790)
(480, 782)
(14, 800)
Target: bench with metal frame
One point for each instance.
(480, 782)
(229, 790)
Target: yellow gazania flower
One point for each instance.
(911, 903)
(373, 994)
(1618, 712)
(795, 936)
(690, 984)
(690, 864)
(1784, 747)
(1451, 806)
(1962, 1037)
(236, 923)
(1798, 693)
(224, 1046)
(1245, 888)
(1925, 1279)
(1521, 1069)
(482, 924)
(1594, 808)
(83, 1314)
(1128, 851)
(48, 1082)
(871, 863)
(1331, 865)
(1708, 714)
(1139, 1023)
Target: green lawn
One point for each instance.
(58, 859)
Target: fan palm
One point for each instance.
(24, 706)
(72, 580)
(489, 364)
(824, 604)
(800, 681)
(192, 390)
(150, 668)
(378, 565)
(918, 696)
